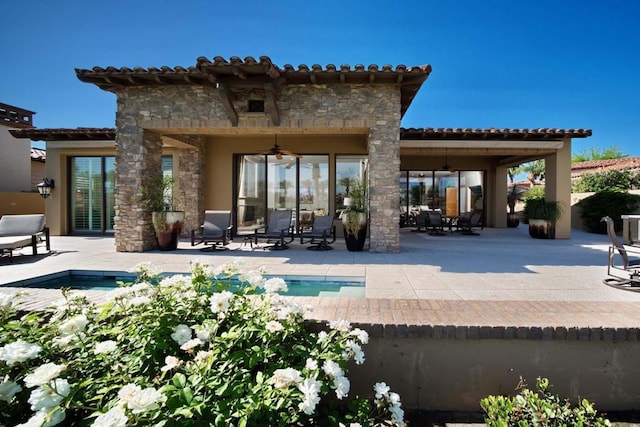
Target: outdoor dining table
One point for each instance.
(450, 221)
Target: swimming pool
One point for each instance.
(324, 286)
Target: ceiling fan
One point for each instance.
(279, 152)
(446, 166)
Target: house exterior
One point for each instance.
(599, 166)
(15, 162)
(214, 126)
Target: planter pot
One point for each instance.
(513, 220)
(541, 229)
(355, 241)
(168, 226)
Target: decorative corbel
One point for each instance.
(271, 98)
(226, 97)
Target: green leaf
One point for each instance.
(179, 380)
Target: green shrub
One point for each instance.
(538, 408)
(607, 203)
(609, 180)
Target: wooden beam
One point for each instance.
(271, 98)
(238, 72)
(226, 97)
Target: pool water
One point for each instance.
(107, 280)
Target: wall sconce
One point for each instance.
(45, 187)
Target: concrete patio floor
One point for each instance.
(461, 279)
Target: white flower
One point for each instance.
(311, 364)
(274, 326)
(105, 347)
(202, 333)
(8, 389)
(354, 350)
(175, 281)
(146, 269)
(141, 288)
(322, 336)
(138, 300)
(340, 325)
(45, 418)
(66, 341)
(253, 277)
(310, 389)
(381, 390)
(6, 300)
(144, 400)
(341, 385)
(221, 301)
(49, 395)
(181, 334)
(19, 351)
(74, 325)
(128, 392)
(171, 362)
(202, 356)
(201, 263)
(332, 369)
(397, 414)
(283, 378)
(362, 336)
(114, 417)
(43, 374)
(192, 343)
(275, 285)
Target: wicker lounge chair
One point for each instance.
(278, 231)
(216, 230)
(627, 266)
(20, 231)
(321, 231)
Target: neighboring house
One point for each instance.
(217, 126)
(599, 166)
(38, 170)
(15, 162)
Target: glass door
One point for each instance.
(92, 195)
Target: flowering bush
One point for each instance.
(181, 351)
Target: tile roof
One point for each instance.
(250, 72)
(66, 134)
(15, 117)
(592, 166)
(38, 154)
(491, 133)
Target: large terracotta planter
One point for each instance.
(541, 229)
(168, 226)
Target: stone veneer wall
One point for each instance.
(375, 108)
(191, 176)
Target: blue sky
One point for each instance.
(496, 63)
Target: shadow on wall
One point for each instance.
(576, 221)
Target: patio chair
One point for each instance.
(420, 222)
(216, 229)
(435, 223)
(278, 230)
(468, 221)
(321, 231)
(20, 231)
(628, 266)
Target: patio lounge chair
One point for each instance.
(630, 267)
(421, 222)
(216, 229)
(435, 223)
(19, 231)
(321, 230)
(278, 230)
(468, 221)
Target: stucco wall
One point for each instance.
(15, 163)
(21, 203)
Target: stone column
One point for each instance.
(138, 158)
(384, 189)
(191, 175)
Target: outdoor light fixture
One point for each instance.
(45, 187)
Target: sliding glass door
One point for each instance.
(92, 197)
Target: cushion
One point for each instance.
(15, 242)
(20, 225)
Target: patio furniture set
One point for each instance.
(318, 230)
(435, 223)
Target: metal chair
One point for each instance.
(630, 267)
(321, 230)
(216, 229)
(435, 223)
(467, 222)
(278, 230)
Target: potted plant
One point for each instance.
(354, 216)
(514, 195)
(543, 215)
(166, 217)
